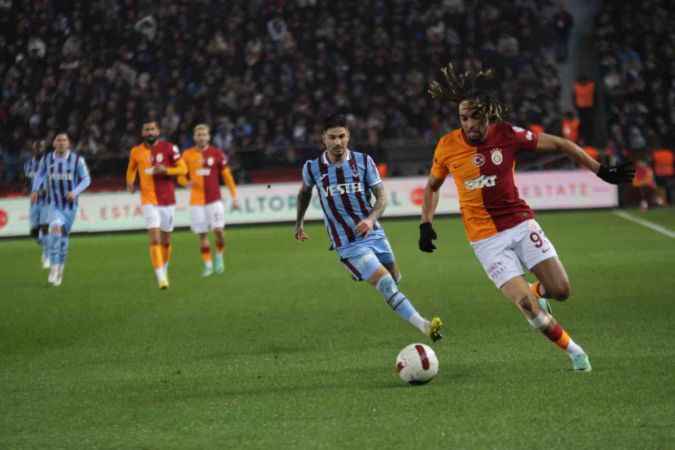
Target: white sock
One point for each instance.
(574, 349)
(420, 323)
(160, 273)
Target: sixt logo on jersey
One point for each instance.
(481, 182)
(344, 188)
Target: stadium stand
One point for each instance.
(260, 71)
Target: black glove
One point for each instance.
(427, 234)
(623, 173)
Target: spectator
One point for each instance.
(260, 72)
(584, 101)
(563, 23)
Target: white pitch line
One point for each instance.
(645, 223)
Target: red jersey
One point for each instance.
(156, 189)
(204, 170)
(484, 175)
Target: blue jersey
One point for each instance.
(30, 169)
(344, 192)
(60, 175)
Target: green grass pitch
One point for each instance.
(285, 351)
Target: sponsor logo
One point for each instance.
(149, 171)
(3, 218)
(496, 156)
(344, 188)
(204, 172)
(481, 182)
(61, 177)
(478, 160)
(209, 161)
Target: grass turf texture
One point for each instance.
(284, 351)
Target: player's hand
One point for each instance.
(159, 169)
(235, 204)
(427, 235)
(33, 197)
(130, 188)
(70, 196)
(300, 234)
(623, 173)
(364, 227)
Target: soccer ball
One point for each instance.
(417, 364)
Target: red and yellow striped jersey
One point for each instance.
(204, 170)
(484, 175)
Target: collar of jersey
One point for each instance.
(65, 156)
(326, 161)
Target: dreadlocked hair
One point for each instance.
(465, 86)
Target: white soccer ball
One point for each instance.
(417, 364)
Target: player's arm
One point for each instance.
(85, 180)
(38, 180)
(611, 174)
(366, 225)
(231, 185)
(376, 186)
(132, 168)
(304, 198)
(180, 169)
(439, 172)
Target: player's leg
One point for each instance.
(517, 290)
(200, 226)
(368, 267)
(205, 250)
(68, 220)
(43, 234)
(552, 280)
(166, 218)
(219, 235)
(56, 222)
(216, 217)
(151, 216)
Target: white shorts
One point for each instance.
(159, 217)
(504, 254)
(207, 217)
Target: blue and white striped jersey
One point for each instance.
(60, 175)
(30, 169)
(344, 192)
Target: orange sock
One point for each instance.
(206, 254)
(220, 247)
(558, 335)
(156, 256)
(537, 289)
(166, 253)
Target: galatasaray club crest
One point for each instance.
(478, 160)
(209, 161)
(159, 158)
(496, 156)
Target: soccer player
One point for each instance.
(345, 180)
(64, 174)
(157, 163)
(499, 224)
(206, 164)
(38, 209)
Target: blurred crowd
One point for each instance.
(636, 46)
(261, 72)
